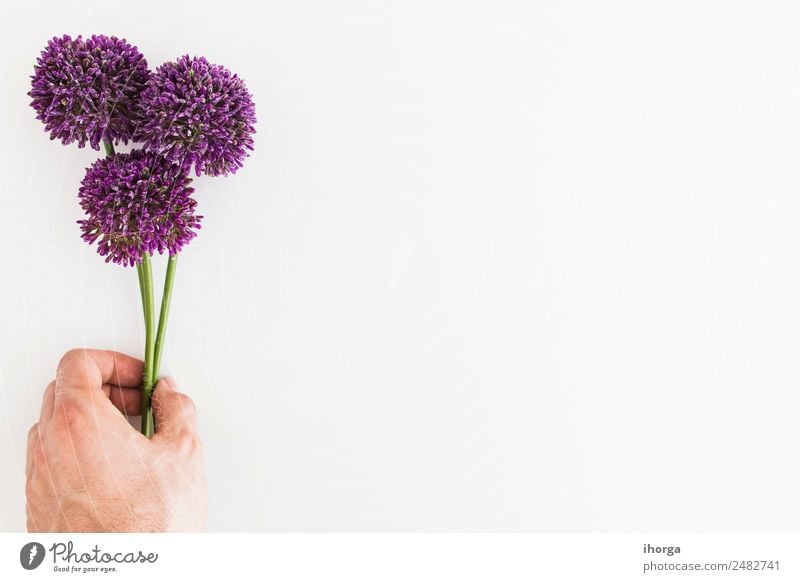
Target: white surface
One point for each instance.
(493, 266)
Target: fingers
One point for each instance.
(81, 371)
(34, 446)
(48, 403)
(175, 414)
(127, 400)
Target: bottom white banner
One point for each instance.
(406, 557)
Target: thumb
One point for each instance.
(174, 413)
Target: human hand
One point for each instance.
(89, 470)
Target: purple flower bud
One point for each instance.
(88, 90)
(137, 203)
(198, 114)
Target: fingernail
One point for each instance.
(166, 381)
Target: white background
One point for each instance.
(492, 266)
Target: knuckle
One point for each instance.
(71, 405)
(49, 393)
(36, 460)
(183, 435)
(175, 404)
(70, 356)
(73, 362)
(35, 452)
(186, 405)
(184, 440)
(71, 415)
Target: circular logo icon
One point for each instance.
(31, 555)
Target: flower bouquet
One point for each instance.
(187, 115)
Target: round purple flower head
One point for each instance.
(200, 114)
(87, 90)
(137, 203)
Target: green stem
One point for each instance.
(109, 147)
(172, 263)
(140, 274)
(146, 281)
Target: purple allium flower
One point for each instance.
(137, 203)
(87, 90)
(200, 114)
